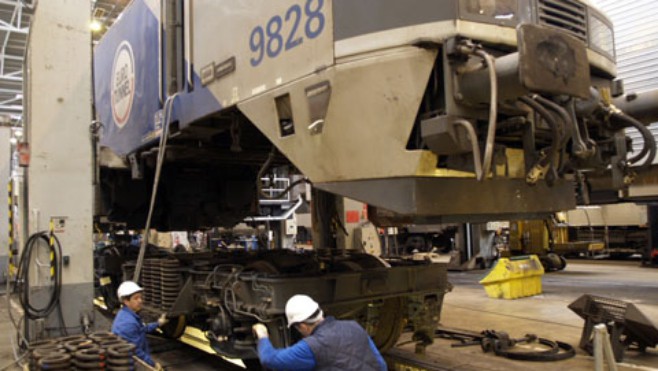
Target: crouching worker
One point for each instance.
(327, 344)
(129, 325)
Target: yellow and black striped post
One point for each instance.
(51, 245)
(12, 248)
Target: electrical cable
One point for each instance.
(23, 276)
(22, 285)
(167, 108)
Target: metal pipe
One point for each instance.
(474, 86)
(642, 106)
(285, 216)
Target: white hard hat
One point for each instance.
(128, 288)
(300, 308)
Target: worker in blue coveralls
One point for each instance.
(129, 325)
(327, 344)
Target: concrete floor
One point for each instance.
(546, 315)
(467, 307)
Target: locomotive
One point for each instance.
(429, 111)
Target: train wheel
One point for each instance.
(175, 327)
(390, 323)
(392, 319)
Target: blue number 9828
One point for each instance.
(269, 40)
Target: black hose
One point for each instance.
(286, 190)
(566, 130)
(23, 276)
(263, 169)
(649, 140)
(561, 111)
(266, 165)
(556, 140)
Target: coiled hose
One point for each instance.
(23, 275)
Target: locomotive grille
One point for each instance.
(567, 15)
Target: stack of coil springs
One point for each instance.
(47, 353)
(98, 351)
(170, 281)
(120, 357)
(150, 281)
(162, 282)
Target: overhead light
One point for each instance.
(95, 26)
(18, 133)
(588, 207)
(13, 140)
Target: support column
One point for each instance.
(59, 177)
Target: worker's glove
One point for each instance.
(158, 367)
(260, 331)
(163, 320)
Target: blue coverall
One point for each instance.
(130, 327)
(297, 357)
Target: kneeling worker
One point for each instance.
(129, 325)
(328, 343)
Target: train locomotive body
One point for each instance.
(428, 111)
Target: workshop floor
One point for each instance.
(467, 307)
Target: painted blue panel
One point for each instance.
(195, 105)
(126, 102)
(136, 99)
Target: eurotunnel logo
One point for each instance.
(123, 84)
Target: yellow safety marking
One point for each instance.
(12, 267)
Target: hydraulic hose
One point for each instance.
(168, 107)
(543, 112)
(493, 111)
(23, 275)
(476, 148)
(649, 146)
(560, 111)
(562, 130)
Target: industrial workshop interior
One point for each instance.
(410, 185)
